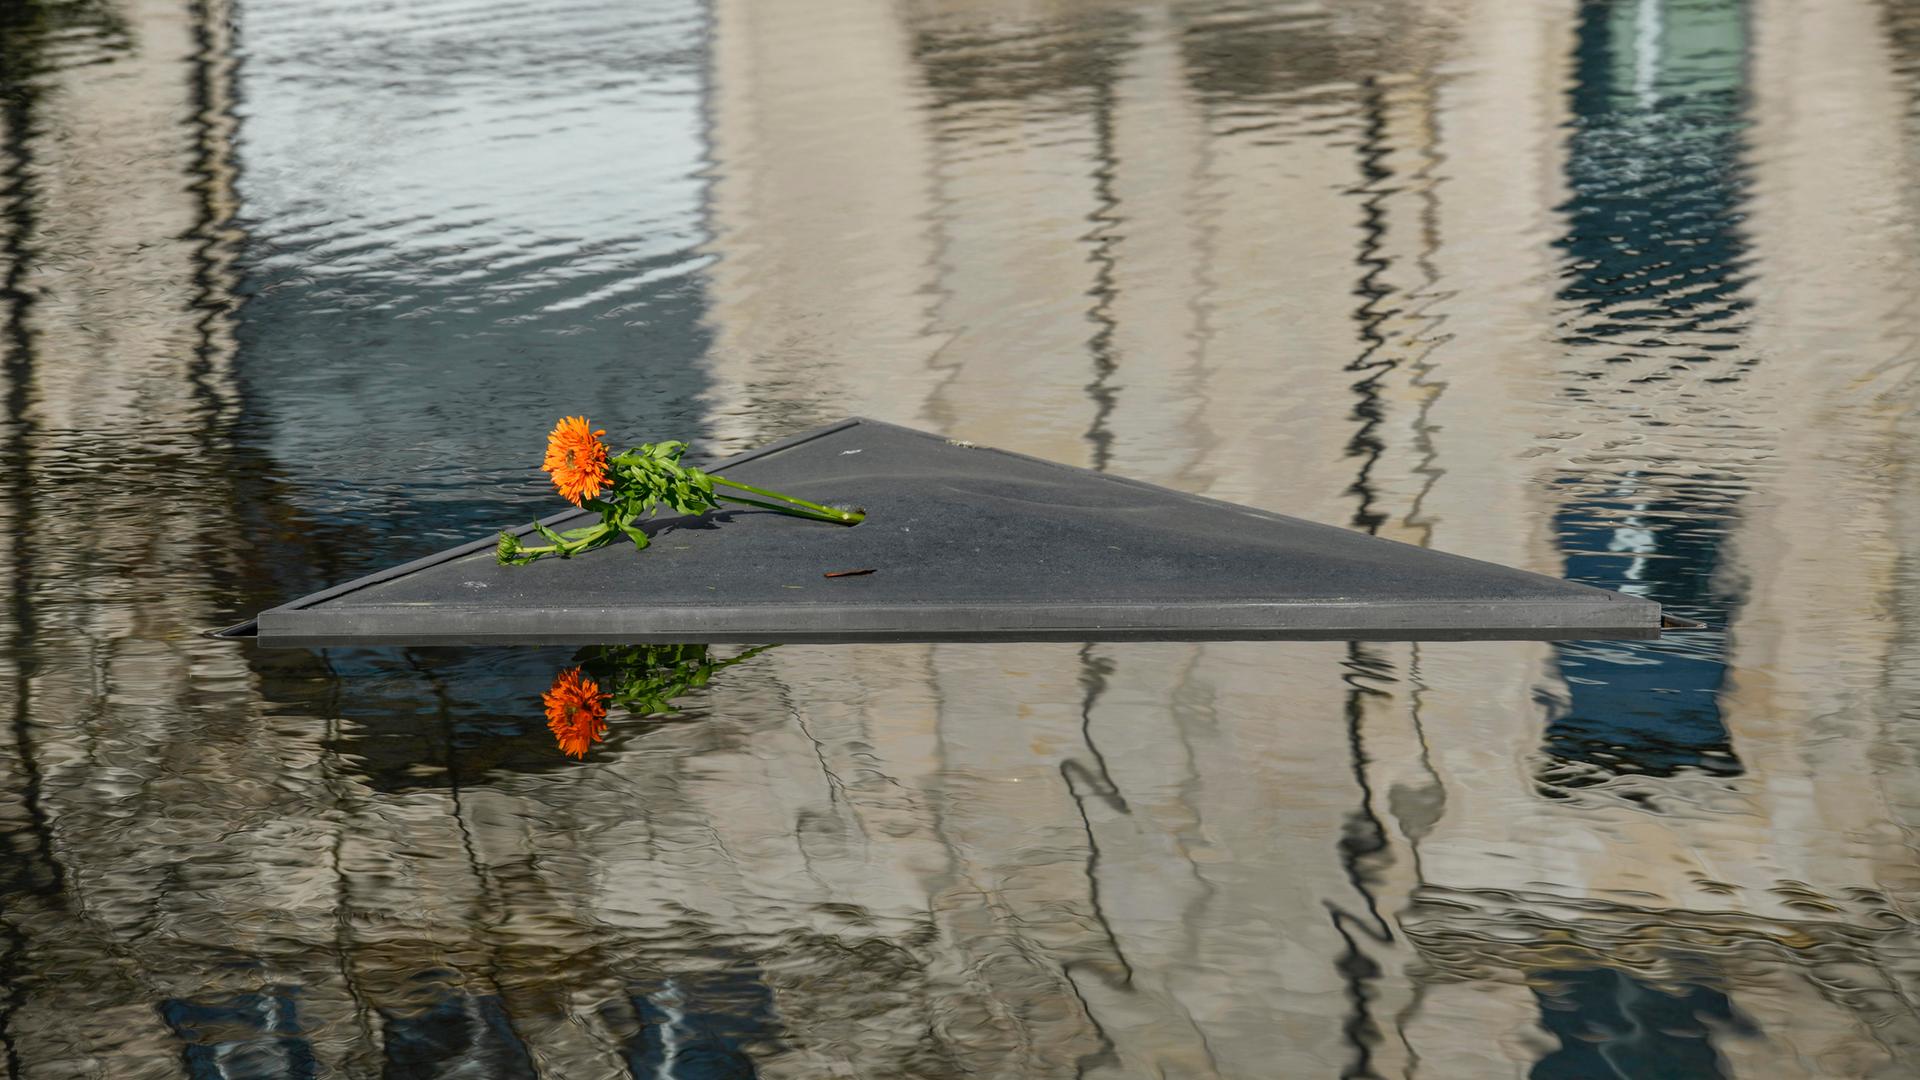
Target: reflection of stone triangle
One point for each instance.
(965, 544)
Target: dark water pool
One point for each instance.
(1616, 291)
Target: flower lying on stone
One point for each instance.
(636, 484)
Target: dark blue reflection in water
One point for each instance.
(1652, 709)
(699, 1026)
(1653, 162)
(702, 1028)
(1612, 1025)
(243, 1037)
(460, 1035)
(1654, 274)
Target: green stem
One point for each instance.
(577, 541)
(824, 513)
(794, 511)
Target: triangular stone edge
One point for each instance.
(1648, 626)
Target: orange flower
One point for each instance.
(576, 459)
(576, 712)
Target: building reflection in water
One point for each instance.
(244, 1035)
(1609, 1023)
(1655, 263)
(1573, 275)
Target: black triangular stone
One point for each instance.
(965, 544)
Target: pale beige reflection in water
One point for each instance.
(1616, 291)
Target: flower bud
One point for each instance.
(508, 549)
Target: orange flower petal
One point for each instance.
(576, 712)
(576, 459)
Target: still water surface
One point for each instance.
(1617, 291)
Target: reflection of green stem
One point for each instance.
(822, 513)
(645, 679)
(747, 655)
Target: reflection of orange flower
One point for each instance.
(576, 712)
(576, 459)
